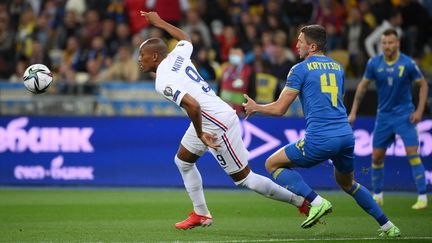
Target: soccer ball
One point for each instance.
(37, 78)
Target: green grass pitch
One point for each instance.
(132, 215)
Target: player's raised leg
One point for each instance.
(266, 187)
(185, 161)
(418, 172)
(366, 202)
(233, 158)
(278, 166)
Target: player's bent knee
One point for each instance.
(270, 165)
(345, 185)
(345, 182)
(183, 165)
(257, 183)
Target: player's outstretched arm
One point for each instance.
(423, 92)
(358, 97)
(154, 19)
(277, 108)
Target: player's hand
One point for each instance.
(249, 106)
(415, 117)
(209, 140)
(351, 118)
(152, 17)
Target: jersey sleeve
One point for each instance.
(415, 73)
(183, 48)
(295, 78)
(369, 71)
(167, 86)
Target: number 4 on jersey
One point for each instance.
(332, 88)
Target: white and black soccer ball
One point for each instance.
(37, 78)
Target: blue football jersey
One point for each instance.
(393, 82)
(320, 83)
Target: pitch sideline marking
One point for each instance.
(305, 239)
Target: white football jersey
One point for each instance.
(177, 76)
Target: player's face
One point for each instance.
(302, 46)
(145, 60)
(390, 45)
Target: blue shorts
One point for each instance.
(310, 152)
(386, 128)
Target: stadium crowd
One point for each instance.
(92, 41)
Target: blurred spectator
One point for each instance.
(381, 9)
(25, 33)
(237, 79)
(132, 8)
(169, 10)
(39, 55)
(122, 37)
(6, 47)
(366, 13)
(15, 10)
(235, 9)
(195, 23)
(54, 11)
(266, 85)
(197, 42)
(124, 67)
(355, 32)
(280, 38)
(109, 35)
(115, 11)
(249, 37)
(211, 11)
(20, 67)
(267, 43)
(84, 83)
(227, 40)
(73, 60)
(256, 57)
(414, 26)
(298, 12)
(372, 42)
(93, 70)
(70, 27)
(204, 68)
(92, 27)
(77, 6)
(100, 6)
(43, 32)
(280, 63)
(99, 52)
(331, 15)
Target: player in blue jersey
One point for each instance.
(319, 83)
(394, 73)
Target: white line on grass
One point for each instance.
(304, 239)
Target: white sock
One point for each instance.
(380, 195)
(193, 184)
(268, 188)
(387, 225)
(317, 201)
(422, 197)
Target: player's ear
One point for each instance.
(155, 56)
(313, 47)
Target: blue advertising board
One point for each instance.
(139, 151)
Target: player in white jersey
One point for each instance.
(215, 125)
